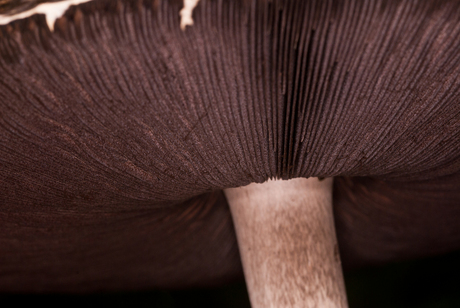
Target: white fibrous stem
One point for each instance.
(186, 13)
(288, 245)
(52, 11)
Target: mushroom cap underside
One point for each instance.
(118, 121)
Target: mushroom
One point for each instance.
(123, 133)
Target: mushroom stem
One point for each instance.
(287, 241)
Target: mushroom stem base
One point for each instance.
(288, 245)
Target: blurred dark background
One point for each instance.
(426, 283)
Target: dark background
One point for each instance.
(427, 283)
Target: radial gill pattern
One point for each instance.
(119, 108)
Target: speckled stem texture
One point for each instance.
(288, 245)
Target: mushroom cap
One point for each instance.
(118, 121)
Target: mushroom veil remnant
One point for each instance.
(186, 13)
(51, 10)
(136, 155)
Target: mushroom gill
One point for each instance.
(119, 131)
